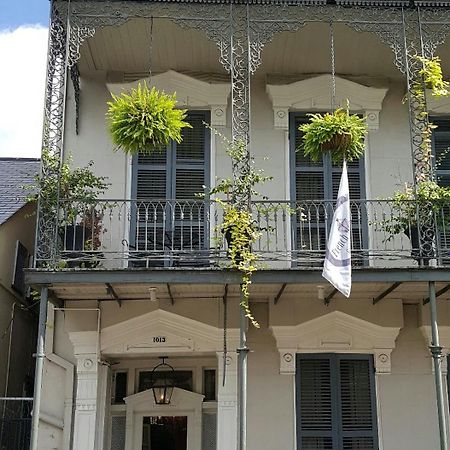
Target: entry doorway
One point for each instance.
(164, 433)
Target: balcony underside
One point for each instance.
(172, 284)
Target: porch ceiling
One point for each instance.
(125, 49)
(267, 285)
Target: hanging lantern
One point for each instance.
(162, 382)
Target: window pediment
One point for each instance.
(161, 331)
(314, 94)
(335, 332)
(191, 93)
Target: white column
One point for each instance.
(85, 350)
(227, 403)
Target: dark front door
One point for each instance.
(164, 433)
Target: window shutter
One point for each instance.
(441, 150)
(176, 174)
(441, 153)
(315, 404)
(320, 181)
(336, 402)
(357, 408)
(192, 159)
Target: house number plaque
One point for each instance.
(159, 339)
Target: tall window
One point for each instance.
(441, 150)
(315, 186)
(336, 402)
(167, 217)
(179, 172)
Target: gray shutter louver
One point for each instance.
(441, 153)
(320, 181)
(336, 402)
(168, 217)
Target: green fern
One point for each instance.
(322, 130)
(145, 121)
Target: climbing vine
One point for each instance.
(238, 227)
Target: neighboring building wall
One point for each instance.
(18, 346)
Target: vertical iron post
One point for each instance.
(240, 102)
(40, 355)
(436, 353)
(242, 380)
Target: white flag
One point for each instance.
(337, 267)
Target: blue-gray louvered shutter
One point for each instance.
(167, 215)
(314, 404)
(320, 181)
(441, 153)
(357, 404)
(336, 402)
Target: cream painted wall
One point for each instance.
(406, 397)
(388, 162)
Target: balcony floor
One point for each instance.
(173, 283)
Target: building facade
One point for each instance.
(150, 278)
(18, 318)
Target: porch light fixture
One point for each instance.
(162, 382)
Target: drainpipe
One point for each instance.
(69, 368)
(40, 355)
(436, 353)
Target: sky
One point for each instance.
(23, 50)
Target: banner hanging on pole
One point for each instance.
(337, 267)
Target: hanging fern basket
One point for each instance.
(145, 120)
(337, 143)
(340, 133)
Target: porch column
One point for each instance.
(227, 403)
(85, 349)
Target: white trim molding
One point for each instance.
(191, 93)
(444, 338)
(163, 331)
(335, 332)
(85, 345)
(313, 94)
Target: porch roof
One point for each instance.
(133, 284)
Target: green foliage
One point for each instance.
(79, 184)
(238, 226)
(432, 76)
(428, 196)
(339, 132)
(145, 121)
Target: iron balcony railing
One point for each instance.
(187, 233)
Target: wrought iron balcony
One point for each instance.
(187, 233)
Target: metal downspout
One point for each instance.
(436, 353)
(40, 355)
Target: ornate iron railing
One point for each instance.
(187, 233)
(15, 422)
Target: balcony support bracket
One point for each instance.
(169, 290)
(280, 293)
(111, 291)
(438, 294)
(328, 298)
(391, 288)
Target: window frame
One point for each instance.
(170, 167)
(337, 434)
(327, 171)
(442, 122)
